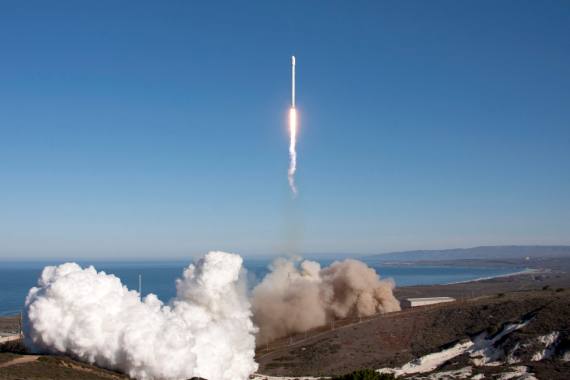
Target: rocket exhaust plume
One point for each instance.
(296, 298)
(292, 133)
(205, 331)
(209, 329)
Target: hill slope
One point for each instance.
(541, 341)
(475, 253)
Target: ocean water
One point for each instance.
(159, 278)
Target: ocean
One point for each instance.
(159, 277)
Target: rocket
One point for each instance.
(293, 81)
(292, 133)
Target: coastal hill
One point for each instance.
(509, 252)
(512, 336)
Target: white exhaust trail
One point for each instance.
(292, 133)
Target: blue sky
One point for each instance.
(158, 129)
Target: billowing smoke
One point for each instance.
(206, 331)
(294, 299)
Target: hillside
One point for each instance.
(485, 335)
(476, 253)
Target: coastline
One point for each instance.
(15, 284)
(518, 273)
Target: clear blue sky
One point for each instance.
(158, 129)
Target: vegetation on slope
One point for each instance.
(365, 374)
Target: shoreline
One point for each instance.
(410, 277)
(518, 273)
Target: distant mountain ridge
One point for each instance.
(476, 253)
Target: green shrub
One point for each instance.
(15, 347)
(365, 374)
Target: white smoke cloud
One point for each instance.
(206, 331)
(294, 299)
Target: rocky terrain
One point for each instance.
(521, 333)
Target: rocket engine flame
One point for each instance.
(292, 133)
(292, 149)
